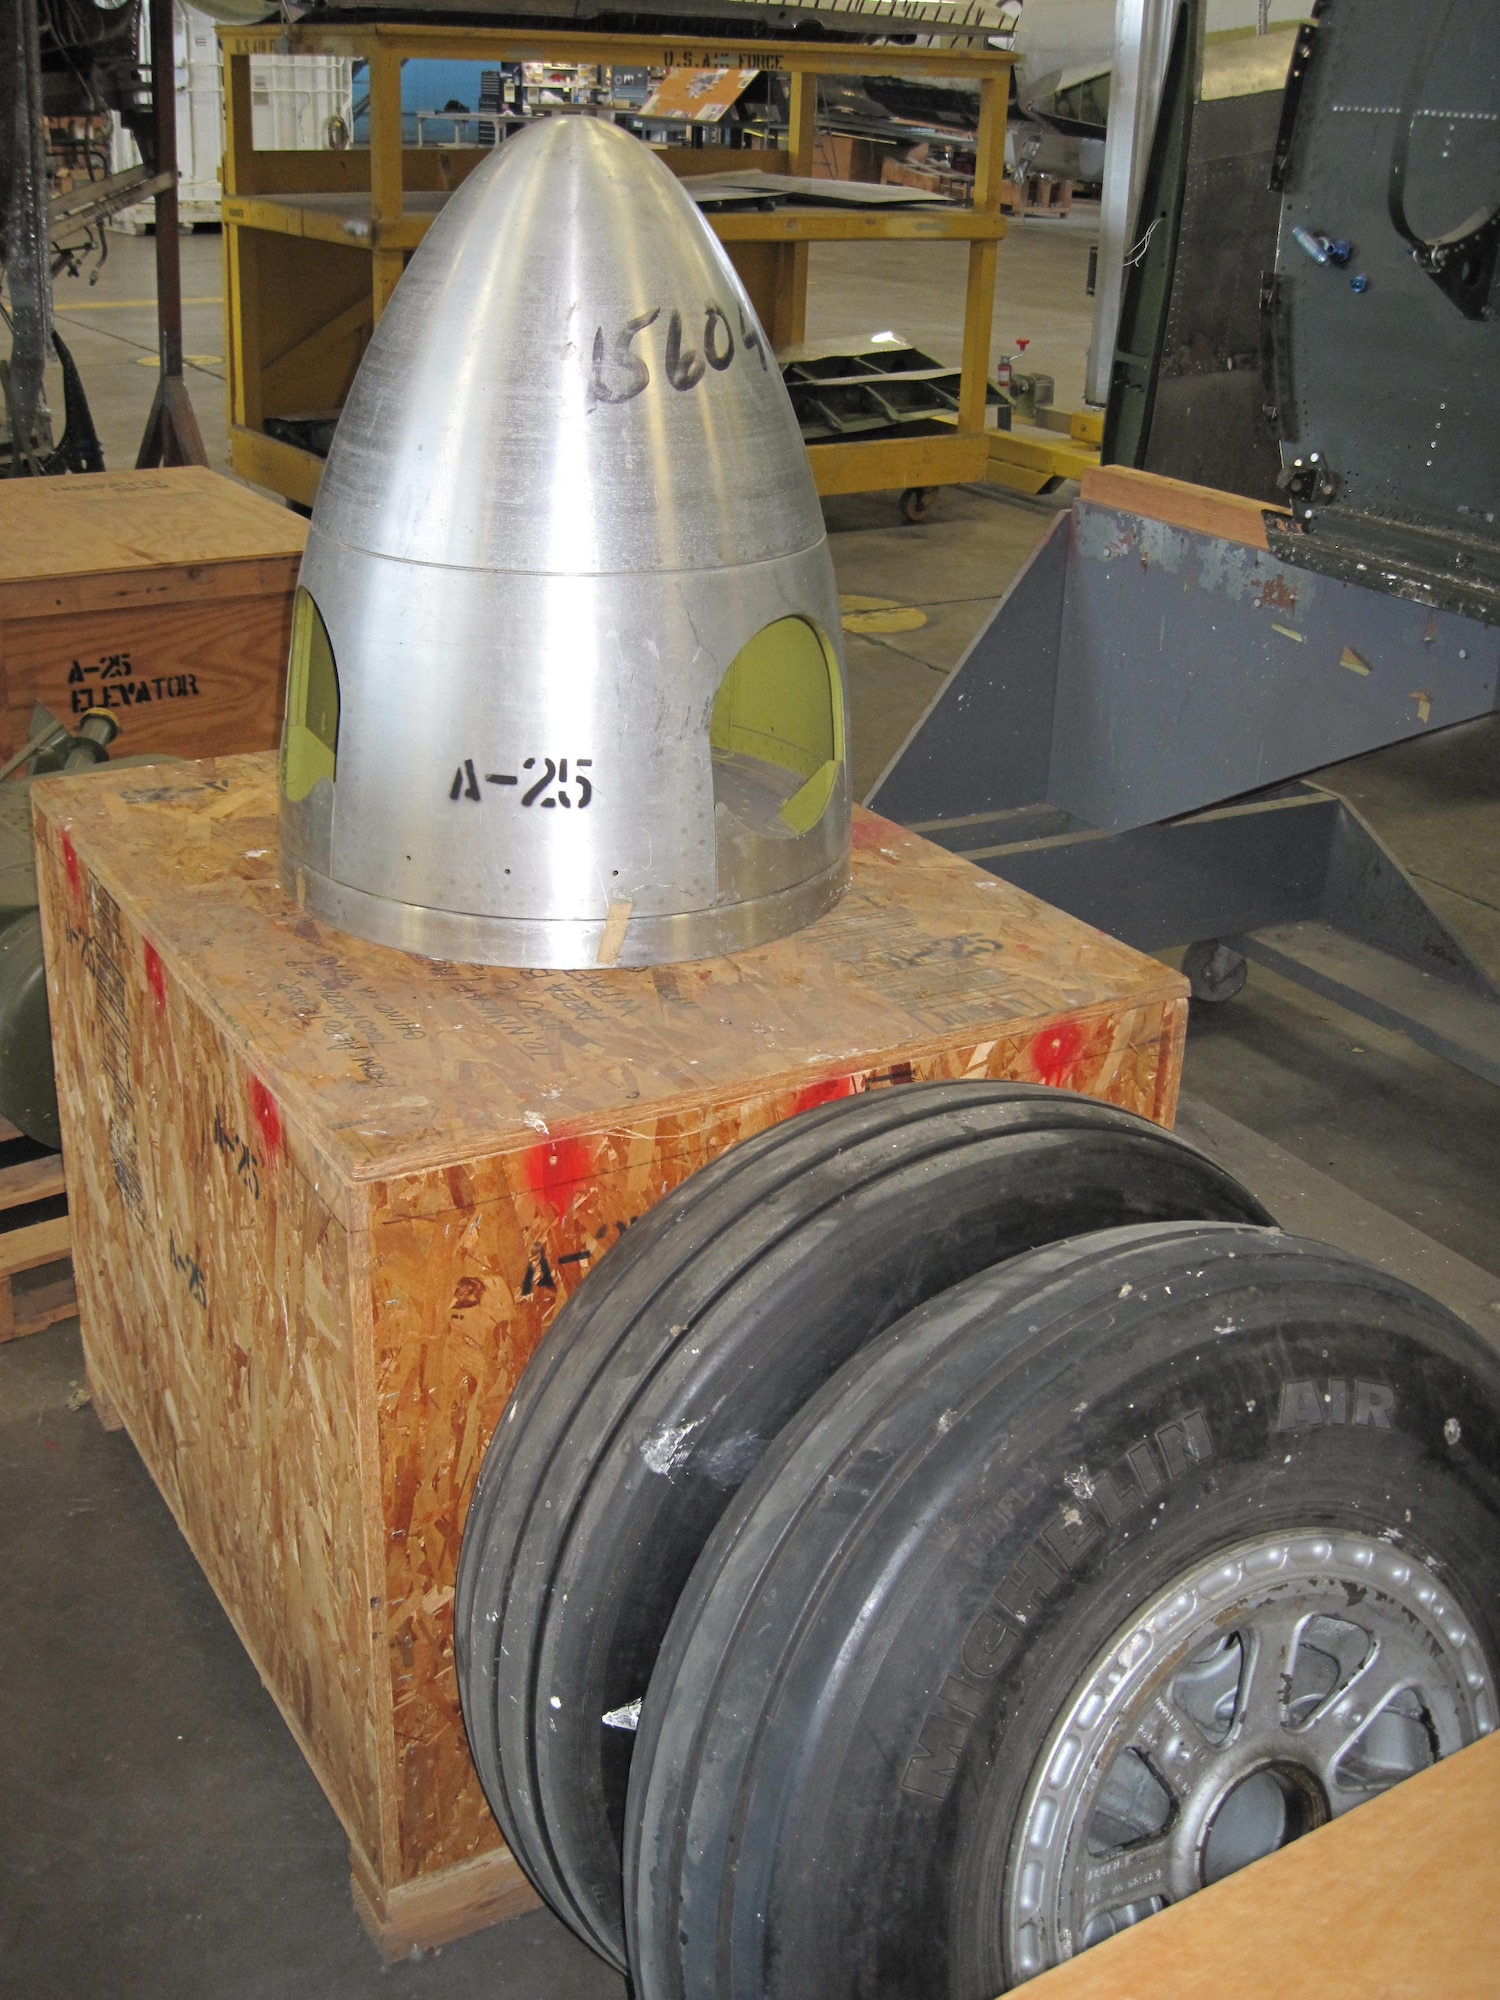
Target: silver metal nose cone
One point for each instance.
(566, 683)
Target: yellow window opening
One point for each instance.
(310, 740)
(781, 702)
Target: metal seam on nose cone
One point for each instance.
(582, 649)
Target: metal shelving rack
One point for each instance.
(315, 242)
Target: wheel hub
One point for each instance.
(1262, 1812)
(1267, 1690)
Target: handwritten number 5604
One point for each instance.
(684, 366)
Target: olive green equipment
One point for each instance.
(28, 1088)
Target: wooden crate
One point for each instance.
(164, 596)
(840, 156)
(327, 1196)
(913, 171)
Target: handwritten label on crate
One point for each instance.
(240, 1157)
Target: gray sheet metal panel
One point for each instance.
(1227, 872)
(985, 742)
(1208, 420)
(1228, 235)
(1194, 670)
(1210, 429)
(1398, 390)
(1371, 898)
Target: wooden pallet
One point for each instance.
(36, 1262)
(1037, 194)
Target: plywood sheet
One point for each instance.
(100, 521)
(470, 1266)
(387, 1063)
(700, 95)
(221, 1305)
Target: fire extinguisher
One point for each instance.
(1004, 372)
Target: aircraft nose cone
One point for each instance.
(566, 681)
(569, 380)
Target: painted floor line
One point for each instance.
(120, 305)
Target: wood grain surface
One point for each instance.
(1203, 509)
(162, 596)
(168, 519)
(36, 1276)
(201, 678)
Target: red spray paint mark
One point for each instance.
(556, 1163)
(823, 1093)
(156, 975)
(267, 1117)
(70, 862)
(1055, 1052)
(868, 831)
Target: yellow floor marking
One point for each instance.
(119, 305)
(198, 360)
(880, 614)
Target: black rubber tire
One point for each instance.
(787, 1841)
(659, 1385)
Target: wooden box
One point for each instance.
(165, 597)
(327, 1196)
(841, 156)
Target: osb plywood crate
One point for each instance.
(326, 1198)
(162, 596)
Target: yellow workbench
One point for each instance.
(315, 242)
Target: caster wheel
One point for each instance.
(916, 503)
(699, 1338)
(1095, 1579)
(1214, 971)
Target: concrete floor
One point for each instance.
(159, 1833)
(109, 327)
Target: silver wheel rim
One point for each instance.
(1273, 1687)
